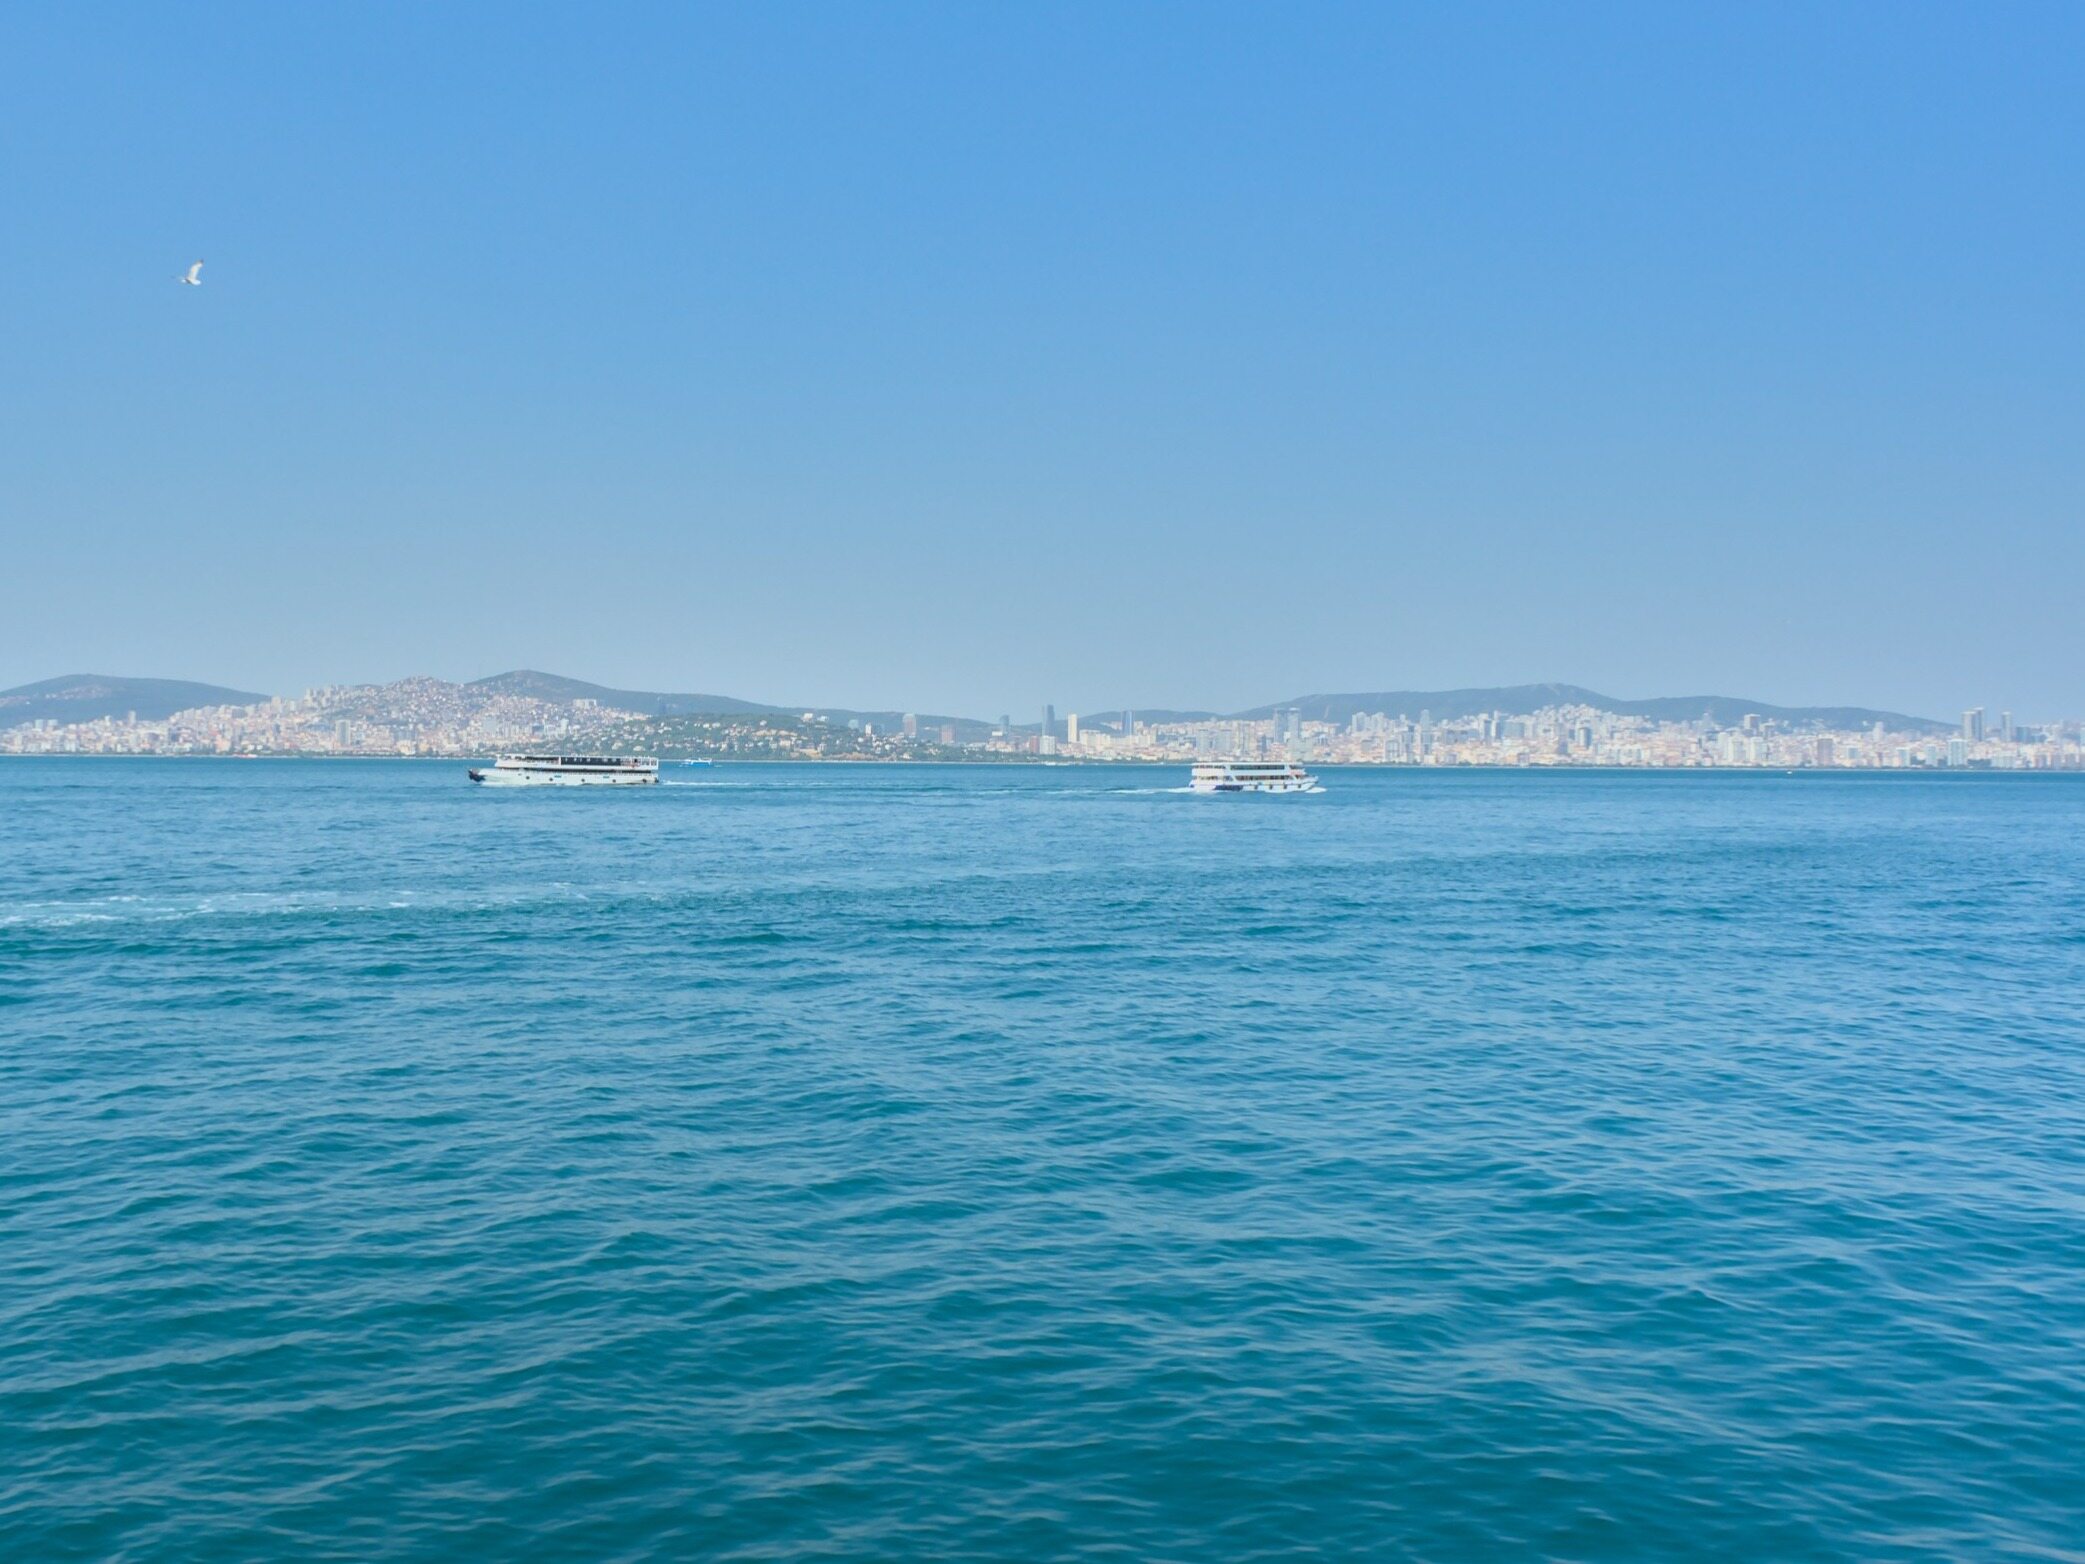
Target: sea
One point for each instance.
(1039, 1162)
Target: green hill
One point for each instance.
(84, 697)
(651, 703)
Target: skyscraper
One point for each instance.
(1071, 728)
(1973, 725)
(1049, 726)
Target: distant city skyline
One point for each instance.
(976, 358)
(1970, 720)
(1539, 726)
(80, 698)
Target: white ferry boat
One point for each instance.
(569, 771)
(1252, 776)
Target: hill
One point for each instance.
(85, 697)
(1517, 699)
(651, 703)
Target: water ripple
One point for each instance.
(1034, 1163)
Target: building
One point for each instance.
(1973, 725)
(1071, 727)
(911, 721)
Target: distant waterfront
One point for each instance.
(428, 717)
(728, 764)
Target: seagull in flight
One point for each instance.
(193, 277)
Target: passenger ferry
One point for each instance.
(1252, 776)
(569, 771)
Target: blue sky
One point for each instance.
(967, 357)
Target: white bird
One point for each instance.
(194, 279)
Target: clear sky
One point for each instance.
(965, 357)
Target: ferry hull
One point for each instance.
(492, 776)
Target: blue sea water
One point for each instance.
(1010, 1162)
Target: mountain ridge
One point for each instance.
(655, 703)
(650, 703)
(84, 697)
(72, 698)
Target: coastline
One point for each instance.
(1092, 762)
